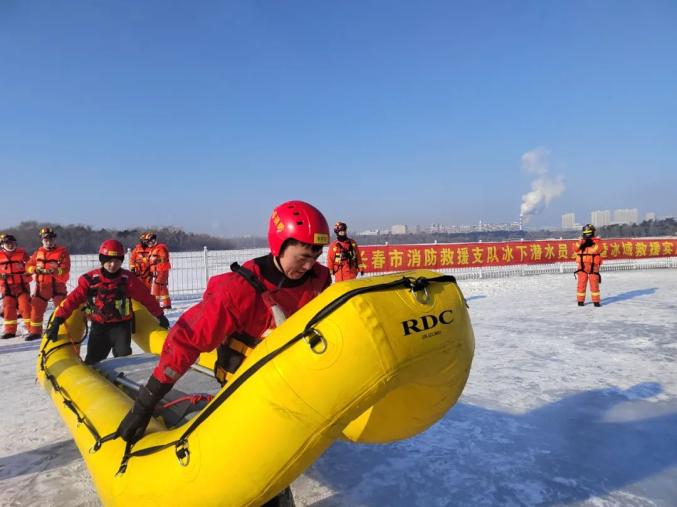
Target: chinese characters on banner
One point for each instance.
(477, 255)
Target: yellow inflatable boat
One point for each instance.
(370, 360)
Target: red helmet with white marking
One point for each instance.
(296, 220)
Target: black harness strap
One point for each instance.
(249, 276)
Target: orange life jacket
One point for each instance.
(159, 258)
(139, 260)
(589, 256)
(13, 267)
(55, 259)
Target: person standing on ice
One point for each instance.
(589, 256)
(107, 294)
(51, 265)
(159, 270)
(14, 285)
(139, 260)
(239, 309)
(343, 258)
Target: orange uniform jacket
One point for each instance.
(49, 266)
(13, 269)
(52, 270)
(159, 269)
(14, 288)
(139, 263)
(589, 262)
(344, 260)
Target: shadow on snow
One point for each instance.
(41, 459)
(624, 296)
(586, 445)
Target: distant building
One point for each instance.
(650, 216)
(600, 218)
(568, 221)
(369, 232)
(626, 216)
(398, 229)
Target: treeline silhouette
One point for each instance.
(81, 239)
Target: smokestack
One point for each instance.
(521, 217)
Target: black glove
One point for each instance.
(53, 329)
(133, 426)
(163, 321)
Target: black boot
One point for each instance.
(32, 337)
(581, 303)
(8, 335)
(597, 304)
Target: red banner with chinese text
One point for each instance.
(476, 255)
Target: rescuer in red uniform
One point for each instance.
(50, 264)
(107, 293)
(240, 308)
(139, 260)
(343, 258)
(14, 285)
(158, 258)
(589, 256)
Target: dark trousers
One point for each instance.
(104, 337)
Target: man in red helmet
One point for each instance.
(107, 294)
(139, 260)
(240, 308)
(589, 253)
(50, 264)
(343, 258)
(14, 285)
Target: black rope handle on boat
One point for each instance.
(309, 332)
(66, 399)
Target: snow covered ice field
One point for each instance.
(564, 406)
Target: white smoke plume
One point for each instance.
(544, 188)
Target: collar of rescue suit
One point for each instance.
(273, 275)
(109, 275)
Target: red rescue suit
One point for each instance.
(231, 308)
(108, 300)
(159, 269)
(51, 268)
(139, 263)
(14, 288)
(589, 262)
(344, 260)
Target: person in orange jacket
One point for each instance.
(159, 270)
(139, 261)
(50, 266)
(107, 294)
(14, 285)
(343, 257)
(589, 256)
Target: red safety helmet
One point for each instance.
(296, 220)
(47, 232)
(112, 248)
(340, 226)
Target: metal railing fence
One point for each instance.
(191, 270)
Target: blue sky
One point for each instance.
(204, 115)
